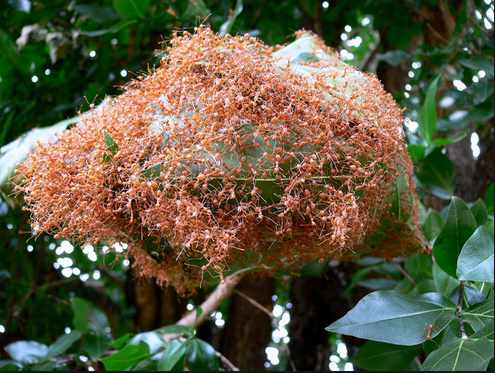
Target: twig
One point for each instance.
(214, 300)
(406, 275)
(418, 362)
(459, 311)
(227, 362)
(257, 305)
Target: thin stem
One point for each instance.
(403, 271)
(227, 362)
(459, 311)
(257, 305)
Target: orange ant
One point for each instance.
(430, 329)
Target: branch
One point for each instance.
(459, 311)
(226, 361)
(259, 306)
(406, 275)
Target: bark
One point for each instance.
(248, 329)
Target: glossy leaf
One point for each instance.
(87, 317)
(479, 315)
(428, 113)
(378, 356)
(476, 258)
(460, 225)
(433, 225)
(460, 355)
(9, 366)
(153, 340)
(227, 25)
(438, 174)
(480, 212)
(127, 357)
(173, 354)
(380, 316)
(444, 283)
(394, 57)
(26, 352)
(96, 345)
(200, 356)
(176, 329)
(62, 344)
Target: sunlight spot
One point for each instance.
(347, 28)
(459, 85)
(67, 330)
(67, 272)
(475, 139)
(76, 271)
(48, 72)
(34, 79)
(365, 22)
(325, 4)
(349, 367)
(67, 247)
(96, 275)
(343, 36)
(277, 310)
(84, 277)
(333, 366)
(92, 54)
(123, 73)
(356, 42)
(272, 355)
(416, 65)
(30, 248)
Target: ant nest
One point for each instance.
(233, 154)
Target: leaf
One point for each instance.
(9, 366)
(378, 356)
(173, 354)
(478, 63)
(394, 58)
(62, 344)
(26, 352)
(21, 5)
(96, 345)
(380, 316)
(417, 152)
(176, 329)
(475, 261)
(480, 212)
(428, 113)
(227, 25)
(437, 173)
(87, 317)
(127, 357)
(444, 283)
(433, 225)
(153, 339)
(132, 8)
(460, 225)
(460, 355)
(482, 91)
(479, 315)
(486, 331)
(96, 13)
(200, 356)
(121, 342)
(489, 200)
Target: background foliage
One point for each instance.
(66, 308)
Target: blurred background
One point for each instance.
(57, 57)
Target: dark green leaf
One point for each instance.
(486, 331)
(471, 295)
(173, 354)
(417, 152)
(96, 13)
(460, 225)
(200, 356)
(87, 317)
(476, 258)
(127, 357)
(176, 329)
(379, 315)
(9, 366)
(417, 264)
(62, 344)
(428, 113)
(489, 200)
(378, 356)
(26, 352)
(479, 315)
(153, 340)
(433, 225)
(180, 7)
(112, 147)
(480, 212)
(314, 268)
(132, 8)
(444, 283)
(378, 283)
(96, 345)
(478, 63)
(482, 91)
(394, 58)
(227, 25)
(460, 355)
(437, 173)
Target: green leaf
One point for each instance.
(153, 340)
(132, 8)
(417, 152)
(380, 315)
(127, 357)
(433, 225)
(96, 345)
(444, 283)
(475, 261)
(480, 212)
(62, 344)
(26, 352)
(176, 329)
(437, 173)
(489, 200)
(486, 331)
(173, 354)
(428, 113)
(460, 225)
(9, 366)
(394, 58)
(87, 317)
(227, 25)
(479, 315)
(121, 342)
(478, 63)
(200, 356)
(378, 356)
(96, 13)
(482, 91)
(460, 355)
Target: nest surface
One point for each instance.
(233, 154)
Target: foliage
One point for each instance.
(72, 55)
